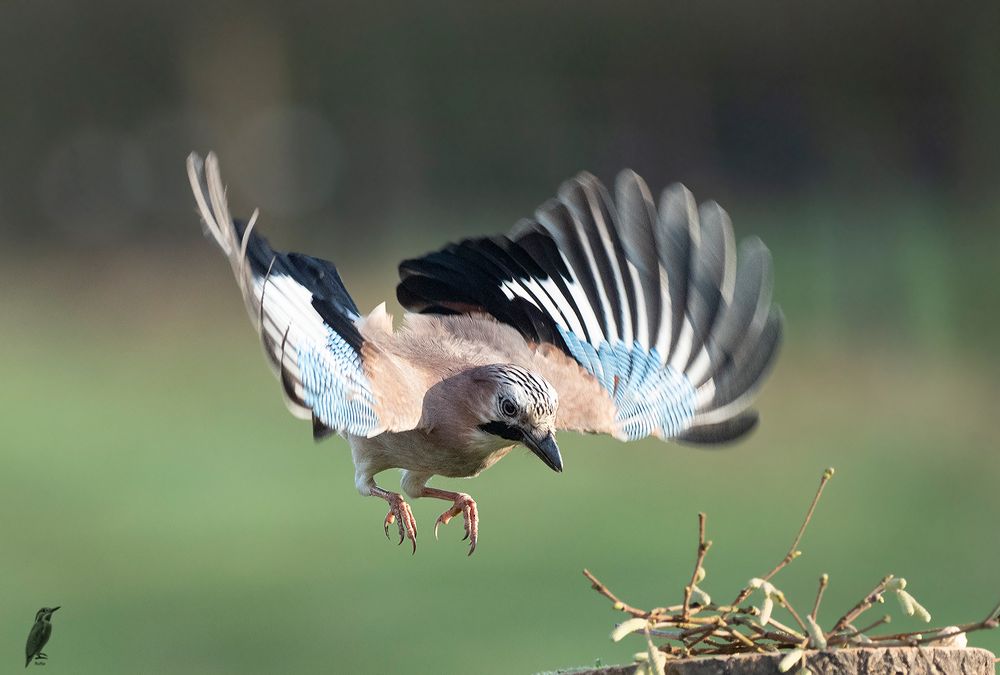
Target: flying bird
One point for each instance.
(611, 315)
(40, 633)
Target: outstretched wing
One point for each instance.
(309, 326)
(650, 302)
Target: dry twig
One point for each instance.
(703, 547)
(711, 629)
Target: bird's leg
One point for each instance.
(461, 504)
(398, 510)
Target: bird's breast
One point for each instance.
(456, 456)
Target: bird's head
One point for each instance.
(45, 613)
(521, 407)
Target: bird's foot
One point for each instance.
(466, 506)
(400, 513)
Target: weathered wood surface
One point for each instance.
(884, 661)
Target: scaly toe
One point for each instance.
(402, 516)
(407, 524)
(470, 514)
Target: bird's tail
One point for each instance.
(210, 195)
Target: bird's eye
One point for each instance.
(508, 407)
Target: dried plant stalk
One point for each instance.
(711, 629)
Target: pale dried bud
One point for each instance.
(920, 611)
(699, 596)
(789, 660)
(765, 611)
(895, 584)
(770, 595)
(816, 638)
(699, 575)
(951, 637)
(628, 626)
(911, 607)
(657, 659)
(906, 602)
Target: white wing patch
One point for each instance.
(321, 371)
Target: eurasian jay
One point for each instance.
(599, 315)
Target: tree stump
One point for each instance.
(864, 661)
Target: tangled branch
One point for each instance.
(698, 627)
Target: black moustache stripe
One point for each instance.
(503, 430)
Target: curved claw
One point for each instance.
(444, 519)
(466, 507)
(400, 513)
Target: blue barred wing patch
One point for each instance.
(650, 397)
(336, 386)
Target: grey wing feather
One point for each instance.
(713, 271)
(677, 218)
(738, 384)
(742, 320)
(637, 221)
(728, 431)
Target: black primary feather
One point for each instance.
(330, 298)
(585, 206)
(750, 365)
(637, 223)
(741, 320)
(710, 280)
(677, 217)
(729, 431)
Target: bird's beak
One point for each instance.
(546, 449)
(54, 609)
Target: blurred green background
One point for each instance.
(151, 481)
